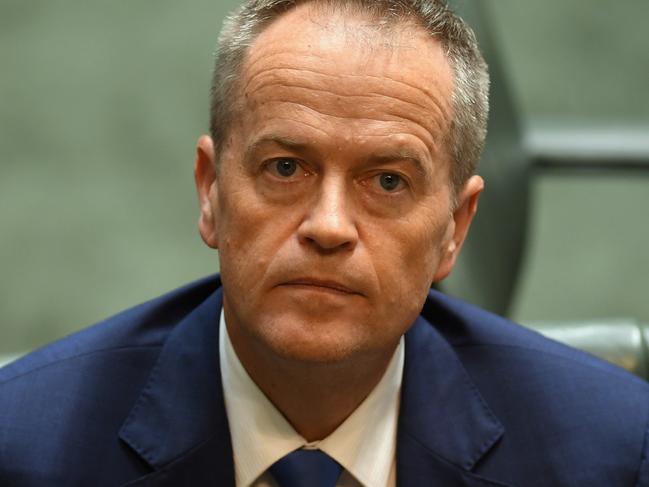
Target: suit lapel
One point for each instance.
(445, 426)
(179, 424)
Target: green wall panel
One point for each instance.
(587, 255)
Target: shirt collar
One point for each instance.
(364, 444)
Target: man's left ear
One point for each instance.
(467, 205)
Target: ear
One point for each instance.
(207, 190)
(467, 205)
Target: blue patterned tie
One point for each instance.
(306, 468)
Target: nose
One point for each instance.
(329, 224)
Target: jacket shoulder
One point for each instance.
(71, 397)
(140, 327)
(563, 410)
(467, 327)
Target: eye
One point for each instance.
(390, 182)
(283, 167)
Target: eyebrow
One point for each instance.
(285, 142)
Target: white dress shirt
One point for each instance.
(364, 444)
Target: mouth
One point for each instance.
(321, 285)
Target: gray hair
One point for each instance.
(468, 128)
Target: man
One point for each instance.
(337, 184)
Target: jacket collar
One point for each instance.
(445, 426)
(180, 415)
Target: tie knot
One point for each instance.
(306, 468)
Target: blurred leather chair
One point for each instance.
(8, 358)
(622, 342)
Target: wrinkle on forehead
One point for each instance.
(295, 66)
(359, 96)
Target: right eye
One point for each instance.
(283, 167)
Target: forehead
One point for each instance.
(347, 66)
(350, 42)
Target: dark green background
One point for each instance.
(101, 104)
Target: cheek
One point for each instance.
(252, 233)
(242, 242)
(407, 257)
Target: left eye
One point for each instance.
(390, 182)
(284, 167)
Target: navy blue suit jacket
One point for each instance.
(137, 401)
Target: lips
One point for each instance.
(321, 284)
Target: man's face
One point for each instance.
(332, 206)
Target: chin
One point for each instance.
(311, 342)
(314, 354)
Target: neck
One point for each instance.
(315, 398)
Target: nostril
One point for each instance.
(327, 235)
